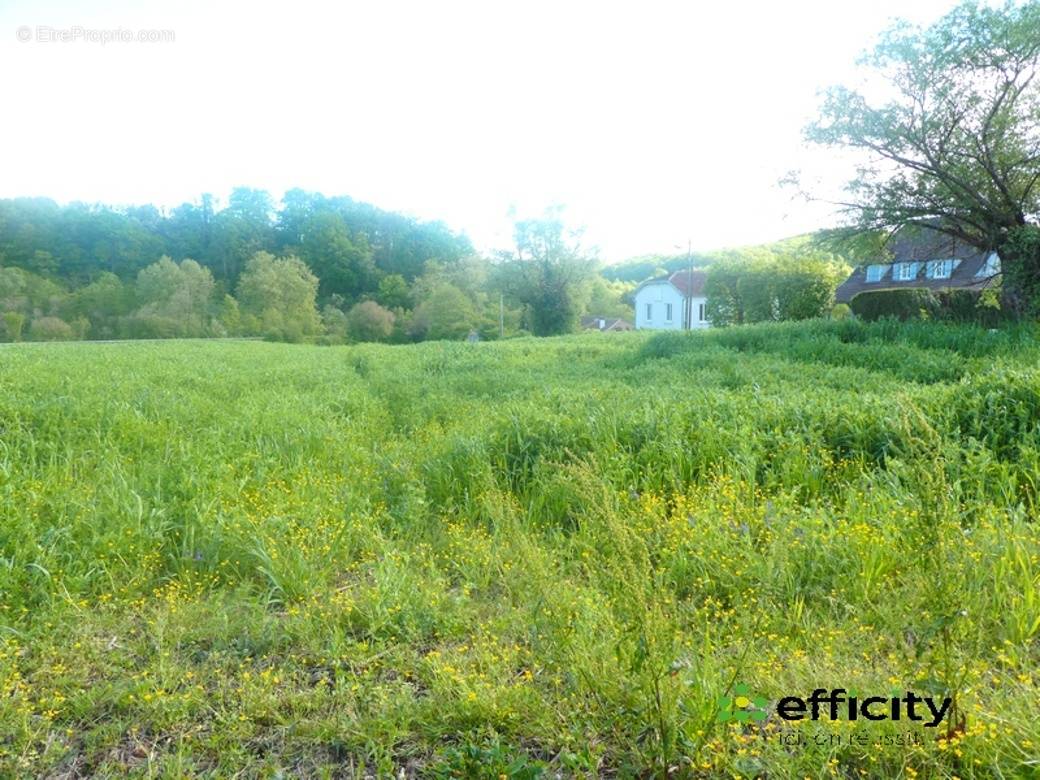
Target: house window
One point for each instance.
(668, 312)
(939, 269)
(701, 313)
(875, 272)
(649, 311)
(904, 272)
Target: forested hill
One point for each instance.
(349, 245)
(638, 269)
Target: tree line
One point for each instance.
(315, 268)
(349, 245)
(335, 270)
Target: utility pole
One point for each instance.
(688, 302)
(501, 315)
(689, 282)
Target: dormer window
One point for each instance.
(991, 267)
(904, 272)
(939, 269)
(875, 272)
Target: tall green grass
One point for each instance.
(537, 557)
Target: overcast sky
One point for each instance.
(652, 122)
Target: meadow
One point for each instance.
(539, 557)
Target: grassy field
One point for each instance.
(540, 557)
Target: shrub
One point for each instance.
(14, 321)
(80, 327)
(841, 311)
(901, 304)
(394, 293)
(368, 321)
(336, 324)
(230, 317)
(50, 329)
(969, 306)
(149, 325)
(103, 302)
(446, 314)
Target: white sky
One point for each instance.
(653, 122)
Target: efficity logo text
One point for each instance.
(835, 704)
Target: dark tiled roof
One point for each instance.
(919, 247)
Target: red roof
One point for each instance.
(689, 283)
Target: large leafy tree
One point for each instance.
(175, 298)
(548, 273)
(242, 229)
(761, 285)
(953, 142)
(278, 297)
(102, 303)
(446, 313)
(190, 232)
(343, 262)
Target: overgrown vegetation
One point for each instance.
(519, 558)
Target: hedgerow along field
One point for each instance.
(520, 558)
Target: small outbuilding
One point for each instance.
(605, 324)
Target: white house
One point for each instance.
(674, 302)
